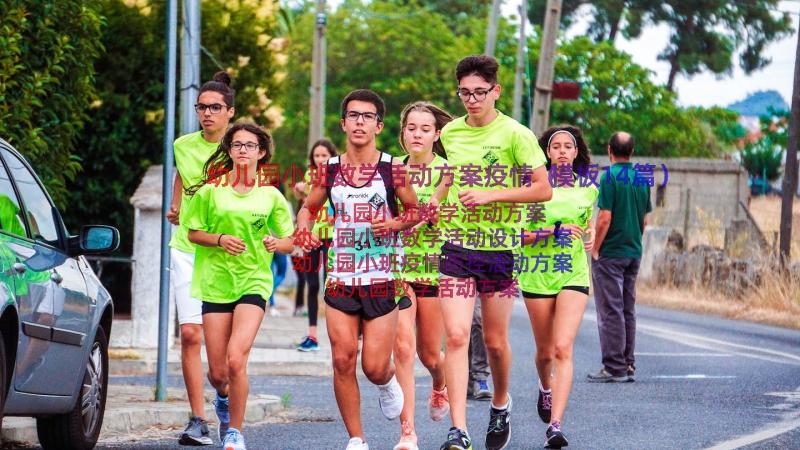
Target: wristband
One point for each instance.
(558, 226)
(219, 239)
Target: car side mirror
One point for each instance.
(98, 239)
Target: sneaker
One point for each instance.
(604, 376)
(438, 404)
(223, 415)
(554, 437)
(309, 344)
(195, 433)
(631, 373)
(457, 439)
(357, 443)
(408, 438)
(499, 433)
(300, 312)
(233, 440)
(480, 390)
(544, 405)
(391, 399)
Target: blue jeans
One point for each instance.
(279, 263)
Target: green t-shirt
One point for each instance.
(10, 220)
(422, 246)
(191, 154)
(322, 227)
(487, 158)
(551, 263)
(628, 204)
(218, 276)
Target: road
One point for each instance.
(701, 383)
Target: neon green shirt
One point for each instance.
(191, 154)
(218, 276)
(425, 242)
(487, 158)
(550, 265)
(322, 227)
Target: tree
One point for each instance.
(763, 158)
(47, 54)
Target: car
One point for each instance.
(55, 315)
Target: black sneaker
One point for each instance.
(544, 405)
(457, 439)
(631, 373)
(555, 438)
(499, 433)
(604, 376)
(196, 433)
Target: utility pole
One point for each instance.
(190, 65)
(519, 74)
(790, 173)
(316, 128)
(491, 31)
(166, 198)
(540, 116)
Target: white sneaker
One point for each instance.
(438, 404)
(357, 444)
(391, 399)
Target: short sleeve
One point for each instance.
(527, 151)
(649, 207)
(280, 218)
(197, 213)
(605, 199)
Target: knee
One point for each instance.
(430, 358)
(563, 351)
(344, 362)
(218, 376)
(237, 365)
(457, 338)
(495, 345)
(191, 336)
(375, 373)
(404, 351)
(545, 355)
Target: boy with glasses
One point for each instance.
(498, 163)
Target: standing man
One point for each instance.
(624, 204)
(497, 163)
(364, 186)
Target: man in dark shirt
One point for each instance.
(624, 204)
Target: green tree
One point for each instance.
(763, 158)
(47, 54)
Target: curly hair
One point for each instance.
(582, 160)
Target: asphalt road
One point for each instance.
(701, 383)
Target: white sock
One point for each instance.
(546, 391)
(500, 408)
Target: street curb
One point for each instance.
(128, 367)
(135, 418)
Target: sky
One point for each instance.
(704, 89)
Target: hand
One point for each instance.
(575, 231)
(173, 215)
(300, 188)
(232, 244)
(588, 243)
(472, 197)
(382, 228)
(306, 240)
(595, 255)
(270, 243)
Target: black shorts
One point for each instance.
(424, 290)
(581, 289)
(250, 299)
(370, 301)
(493, 271)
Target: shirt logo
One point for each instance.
(258, 224)
(377, 201)
(490, 158)
(363, 195)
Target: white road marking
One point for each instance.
(684, 354)
(695, 376)
(766, 433)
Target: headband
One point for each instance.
(574, 142)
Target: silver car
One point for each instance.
(55, 316)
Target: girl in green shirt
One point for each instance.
(421, 124)
(237, 222)
(555, 281)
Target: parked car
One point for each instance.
(55, 315)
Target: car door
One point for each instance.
(56, 311)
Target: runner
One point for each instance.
(421, 124)
(307, 267)
(556, 284)
(214, 111)
(231, 219)
(363, 185)
(497, 162)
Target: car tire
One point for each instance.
(3, 380)
(79, 430)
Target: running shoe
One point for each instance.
(408, 438)
(195, 433)
(390, 399)
(457, 439)
(357, 443)
(223, 415)
(544, 405)
(309, 344)
(631, 373)
(233, 440)
(555, 438)
(499, 433)
(438, 404)
(604, 376)
(480, 390)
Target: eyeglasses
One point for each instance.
(250, 146)
(216, 108)
(369, 117)
(478, 94)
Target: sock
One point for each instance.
(556, 425)
(542, 389)
(221, 397)
(500, 408)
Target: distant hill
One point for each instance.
(758, 103)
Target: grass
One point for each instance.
(766, 210)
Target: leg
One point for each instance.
(300, 291)
(192, 366)
(313, 292)
(540, 313)
(478, 359)
(629, 309)
(457, 314)
(217, 333)
(496, 312)
(430, 330)
(607, 277)
(343, 334)
(246, 322)
(376, 349)
(404, 352)
(569, 308)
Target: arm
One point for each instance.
(175, 205)
(601, 230)
(283, 245)
(645, 222)
(408, 198)
(539, 191)
(230, 244)
(305, 222)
